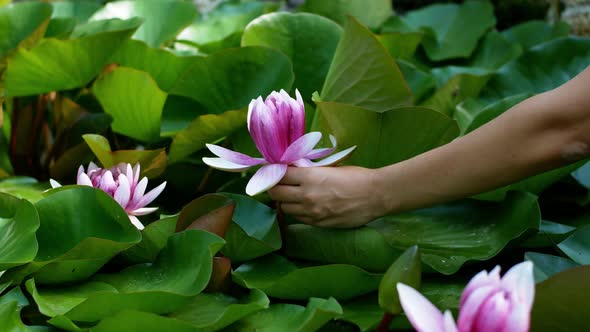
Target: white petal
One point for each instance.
(84, 180)
(449, 322)
(54, 184)
(123, 192)
(265, 178)
(224, 165)
(520, 281)
(136, 222)
(143, 211)
(335, 158)
(151, 195)
(301, 147)
(422, 314)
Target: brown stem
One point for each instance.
(385, 322)
(13, 127)
(36, 130)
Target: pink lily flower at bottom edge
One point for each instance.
(488, 303)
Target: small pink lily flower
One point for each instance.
(277, 126)
(121, 183)
(488, 303)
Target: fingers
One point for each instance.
(294, 209)
(294, 176)
(286, 194)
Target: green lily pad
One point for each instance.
(18, 223)
(181, 271)
(23, 187)
(20, 22)
(204, 129)
(291, 317)
(53, 64)
(78, 10)
(452, 31)
(154, 238)
(254, 231)
(487, 55)
(532, 33)
(407, 269)
(542, 68)
(11, 305)
(369, 13)
(163, 20)
(163, 66)
(577, 245)
(134, 101)
(562, 303)
(453, 234)
(153, 162)
(223, 27)
(205, 312)
(421, 82)
(240, 75)
(340, 246)
(471, 118)
(549, 234)
(280, 278)
(60, 28)
(81, 228)
(546, 266)
(401, 45)
(384, 138)
(363, 73)
(308, 40)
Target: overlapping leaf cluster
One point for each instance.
(154, 81)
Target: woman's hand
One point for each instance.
(340, 197)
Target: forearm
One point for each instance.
(536, 135)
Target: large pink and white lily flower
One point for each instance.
(277, 126)
(488, 303)
(122, 183)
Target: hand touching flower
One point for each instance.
(277, 126)
(121, 183)
(488, 303)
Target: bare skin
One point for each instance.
(544, 132)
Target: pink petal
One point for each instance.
(321, 153)
(251, 107)
(518, 320)
(479, 280)
(449, 322)
(266, 133)
(520, 282)
(151, 195)
(129, 174)
(233, 156)
(92, 167)
(301, 147)
(143, 211)
(224, 165)
(138, 193)
(265, 178)
(136, 172)
(297, 120)
(422, 314)
(333, 159)
(493, 313)
(123, 192)
(470, 310)
(84, 180)
(54, 184)
(107, 183)
(136, 222)
(80, 170)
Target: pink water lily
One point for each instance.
(277, 126)
(122, 183)
(488, 303)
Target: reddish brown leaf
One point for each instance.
(212, 213)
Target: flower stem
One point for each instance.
(385, 322)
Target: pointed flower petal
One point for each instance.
(422, 314)
(323, 152)
(143, 211)
(233, 156)
(123, 192)
(333, 159)
(136, 222)
(84, 180)
(449, 322)
(224, 165)
(151, 195)
(520, 282)
(265, 178)
(54, 184)
(301, 147)
(480, 280)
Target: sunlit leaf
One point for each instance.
(20, 21)
(18, 223)
(407, 269)
(370, 13)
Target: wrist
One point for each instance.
(384, 191)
